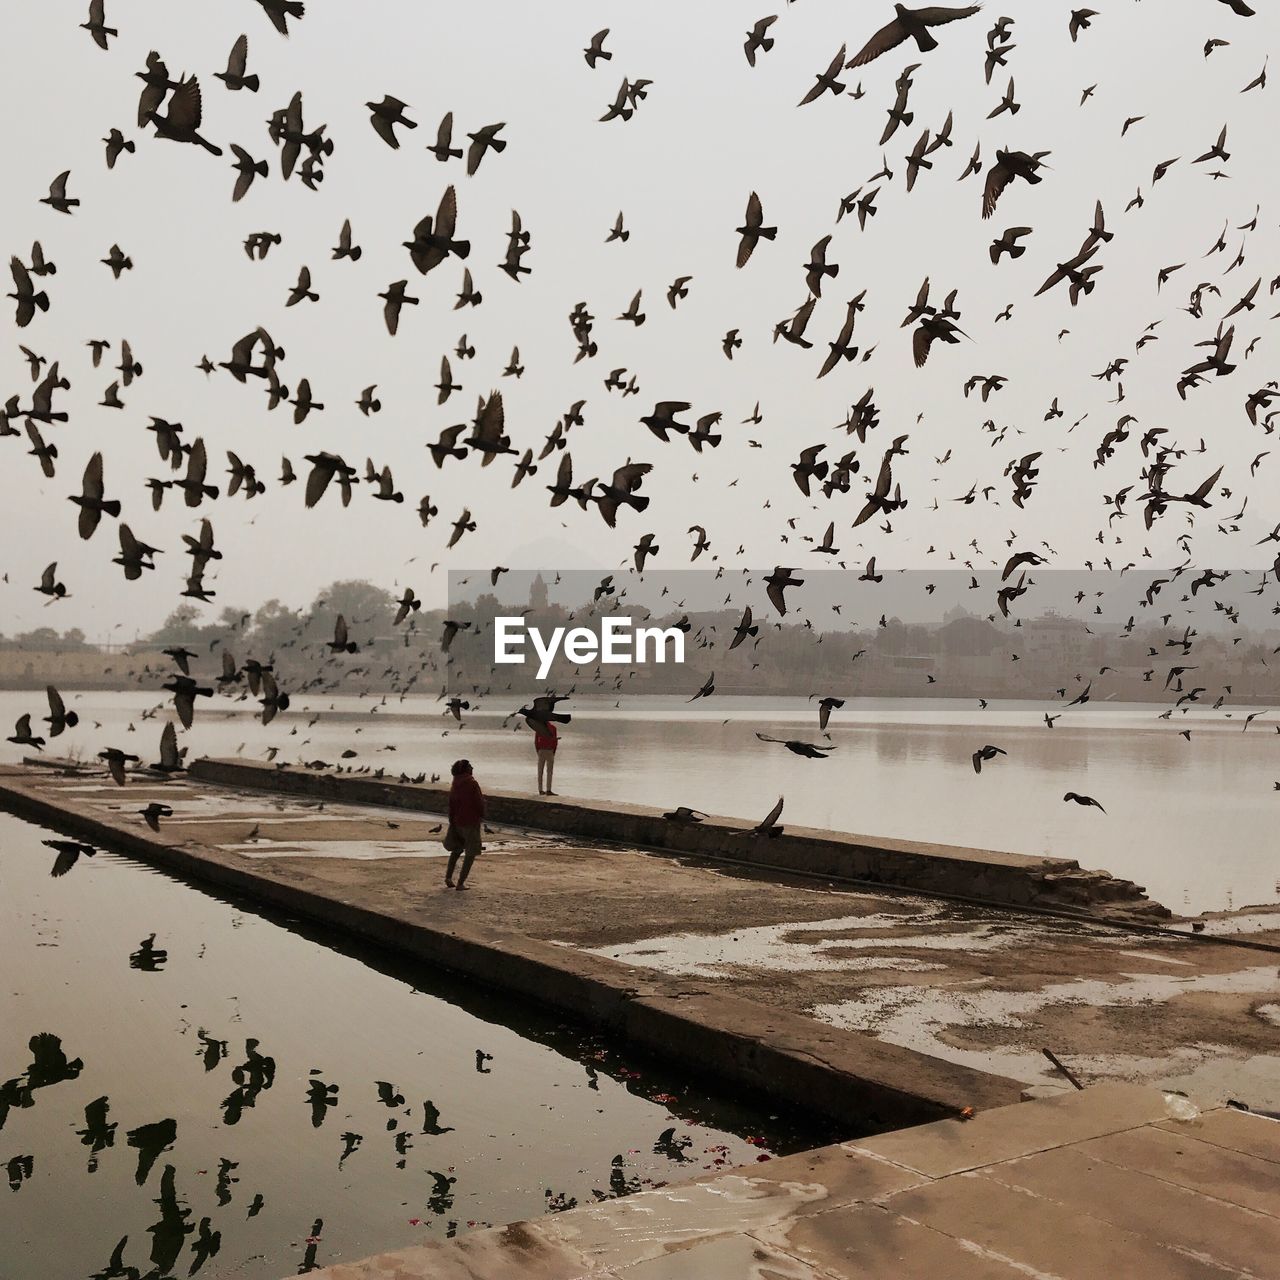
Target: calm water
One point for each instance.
(1195, 821)
(230, 1095)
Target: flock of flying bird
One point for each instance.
(172, 110)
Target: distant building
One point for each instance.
(1055, 639)
(965, 635)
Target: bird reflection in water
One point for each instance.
(256, 1073)
(440, 1201)
(150, 1140)
(149, 958)
(205, 1245)
(174, 1226)
(213, 1051)
(672, 1147)
(49, 1066)
(431, 1120)
(619, 1184)
(321, 1096)
(308, 1262)
(19, 1170)
(115, 1268)
(350, 1145)
(97, 1134)
(225, 1181)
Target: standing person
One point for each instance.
(466, 813)
(545, 740)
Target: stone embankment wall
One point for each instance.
(1008, 879)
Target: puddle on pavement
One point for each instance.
(359, 850)
(923, 1018)
(846, 943)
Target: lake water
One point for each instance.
(230, 1094)
(1195, 821)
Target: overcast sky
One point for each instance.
(710, 131)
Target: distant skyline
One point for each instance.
(710, 131)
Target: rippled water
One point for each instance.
(238, 1095)
(1193, 820)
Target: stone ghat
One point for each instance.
(849, 1079)
(1103, 1183)
(980, 875)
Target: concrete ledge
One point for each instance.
(842, 1076)
(1066, 1187)
(1009, 879)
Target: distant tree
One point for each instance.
(229, 618)
(361, 603)
(40, 638)
(185, 626)
(273, 625)
(180, 625)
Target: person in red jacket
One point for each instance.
(466, 813)
(545, 741)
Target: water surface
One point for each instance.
(1193, 820)
(244, 1096)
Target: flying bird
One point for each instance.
(182, 121)
(1008, 166)
(247, 169)
(91, 500)
(1075, 798)
(758, 41)
(769, 826)
(910, 24)
(595, 51)
(385, 115)
(809, 750)
(69, 853)
(237, 61)
(97, 24)
(753, 230)
(826, 81)
(57, 197)
(22, 735)
(280, 11)
(25, 295)
(776, 585)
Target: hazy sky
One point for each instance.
(711, 130)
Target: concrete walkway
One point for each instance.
(378, 874)
(982, 875)
(884, 987)
(1088, 1186)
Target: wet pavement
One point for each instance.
(992, 990)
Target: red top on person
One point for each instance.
(466, 801)
(547, 741)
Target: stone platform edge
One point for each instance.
(1056, 1187)
(842, 1076)
(1005, 879)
